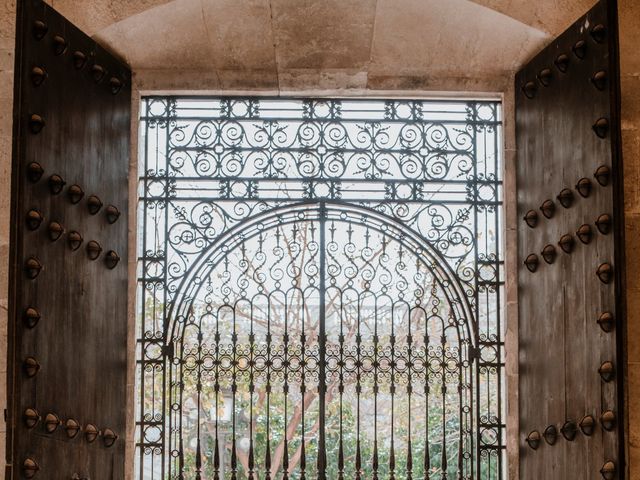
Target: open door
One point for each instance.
(571, 255)
(68, 311)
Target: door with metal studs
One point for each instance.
(68, 297)
(570, 255)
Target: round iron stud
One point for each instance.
(32, 267)
(59, 45)
(608, 420)
(548, 208)
(567, 243)
(51, 422)
(72, 427)
(79, 60)
(587, 425)
(36, 123)
(34, 219)
(31, 317)
(38, 76)
(115, 84)
(31, 367)
(599, 79)
(532, 262)
(112, 214)
(601, 127)
(34, 172)
(533, 439)
(31, 417)
(91, 432)
(40, 29)
(93, 250)
(605, 272)
(550, 434)
(579, 49)
(545, 76)
(583, 187)
(98, 72)
(607, 371)
(109, 437)
(529, 89)
(75, 240)
(569, 430)
(56, 184)
(29, 468)
(562, 62)
(608, 470)
(75, 193)
(549, 254)
(599, 33)
(111, 259)
(585, 233)
(566, 198)
(603, 175)
(94, 204)
(55, 231)
(603, 223)
(607, 322)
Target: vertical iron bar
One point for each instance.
(322, 457)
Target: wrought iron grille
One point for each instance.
(320, 289)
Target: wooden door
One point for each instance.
(68, 311)
(571, 270)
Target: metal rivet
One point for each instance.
(72, 427)
(93, 250)
(31, 367)
(51, 422)
(91, 433)
(79, 59)
(599, 79)
(599, 33)
(113, 214)
(34, 219)
(533, 439)
(75, 240)
(608, 470)
(40, 29)
(603, 222)
(115, 84)
(94, 204)
(585, 233)
(31, 417)
(601, 127)
(580, 49)
(566, 197)
(32, 267)
(607, 371)
(544, 76)
(75, 193)
(34, 172)
(38, 76)
(584, 187)
(605, 272)
(549, 254)
(55, 231)
(531, 262)
(562, 62)
(608, 420)
(603, 175)
(31, 317)
(607, 322)
(109, 437)
(29, 468)
(56, 184)
(59, 45)
(36, 123)
(98, 72)
(567, 243)
(569, 430)
(111, 259)
(548, 208)
(587, 425)
(529, 89)
(550, 434)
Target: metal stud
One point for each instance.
(603, 175)
(55, 231)
(93, 250)
(566, 197)
(608, 470)
(98, 72)
(585, 233)
(599, 79)
(529, 89)
(567, 243)
(32, 267)
(569, 430)
(599, 33)
(605, 272)
(72, 427)
(587, 425)
(75, 240)
(38, 76)
(56, 184)
(59, 45)
(531, 262)
(113, 214)
(79, 60)
(111, 259)
(94, 204)
(607, 322)
(115, 84)
(91, 432)
(34, 219)
(31, 417)
(533, 439)
(601, 127)
(608, 420)
(40, 29)
(31, 367)
(30, 468)
(579, 49)
(34, 172)
(549, 254)
(603, 223)
(545, 76)
(36, 123)
(607, 371)
(550, 434)
(584, 187)
(75, 193)
(31, 317)
(51, 422)
(562, 62)
(548, 208)
(109, 437)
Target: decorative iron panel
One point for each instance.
(320, 289)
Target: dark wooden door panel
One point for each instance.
(566, 120)
(72, 121)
